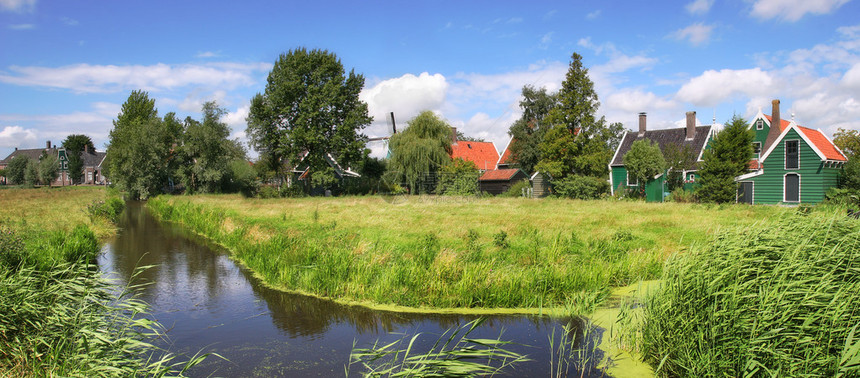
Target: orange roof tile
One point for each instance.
(754, 165)
(499, 174)
(506, 156)
(483, 154)
(817, 138)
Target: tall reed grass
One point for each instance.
(767, 300)
(521, 267)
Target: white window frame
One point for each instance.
(89, 176)
(799, 187)
(757, 154)
(759, 124)
(691, 177)
(785, 154)
(635, 182)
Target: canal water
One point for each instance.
(208, 303)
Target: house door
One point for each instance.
(792, 187)
(745, 192)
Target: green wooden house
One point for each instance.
(696, 138)
(792, 164)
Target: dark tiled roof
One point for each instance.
(663, 138)
(90, 159)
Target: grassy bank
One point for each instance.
(443, 252)
(58, 317)
(782, 300)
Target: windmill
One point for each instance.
(392, 129)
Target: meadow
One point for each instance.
(58, 316)
(454, 253)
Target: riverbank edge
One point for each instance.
(618, 362)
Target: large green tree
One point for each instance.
(847, 140)
(644, 161)
(728, 157)
(578, 142)
(424, 147)
(16, 169)
(206, 152)
(528, 131)
(679, 158)
(75, 145)
(49, 168)
(310, 108)
(139, 151)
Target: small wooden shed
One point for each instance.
(540, 185)
(499, 181)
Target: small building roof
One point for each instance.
(483, 154)
(500, 174)
(664, 138)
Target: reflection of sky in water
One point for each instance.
(209, 303)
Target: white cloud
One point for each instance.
(236, 119)
(793, 10)
(18, 5)
(86, 78)
(17, 136)
(593, 15)
(69, 21)
(546, 40)
(851, 79)
(406, 96)
(22, 26)
(207, 54)
(697, 34)
(712, 87)
(699, 6)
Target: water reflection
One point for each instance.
(208, 302)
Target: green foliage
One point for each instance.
(682, 196)
(31, 173)
(310, 105)
(678, 159)
(454, 354)
(848, 141)
(761, 301)
(424, 147)
(12, 252)
(49, 168)
(242, 178)
(516, 190)
(578, 143)
(140, 148)
(644, 161)
(16, 169)
(109, 209)
(74, 145)
(850, 178)
(580, 187)
(527, 132)
(459, 178)
(730, 153)
(206, 153)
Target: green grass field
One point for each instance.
(455, 253)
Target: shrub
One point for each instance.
(268, 191)
(458, 177)
(516, 190)
(683, 196)
(580, 187)
(109, 209)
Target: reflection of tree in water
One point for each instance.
(177, 258)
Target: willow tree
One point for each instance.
(423, 148)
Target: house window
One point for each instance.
(757, 150)
(89, 177)
(632, 180)
(792, 154)
(791, 185)
(691, 177)
(759, 124)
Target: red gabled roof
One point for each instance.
(483, 154)
(754, 165)
(499, 174)
(817, 138)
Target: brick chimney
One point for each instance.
(775, 123)
(453, 135)
(86, 148)
(691, 125)
(48, 145)
(642, 123)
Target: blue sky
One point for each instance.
(67, 66)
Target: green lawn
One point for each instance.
(455, 253)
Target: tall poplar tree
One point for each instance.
(74, 145)
(727, 158)
(528, 131)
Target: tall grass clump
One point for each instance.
(780, 300)
(454, 354)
